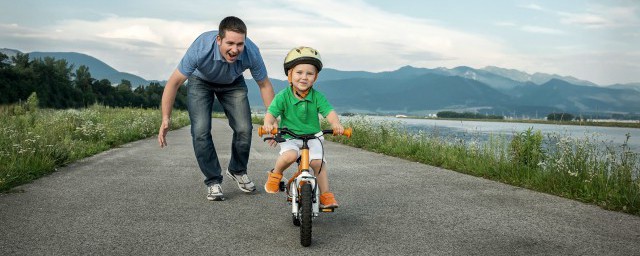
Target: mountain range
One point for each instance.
(422, 91)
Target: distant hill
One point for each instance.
(418, 91)
(631, 86)
(98, 69)
(575, 98)
(536, 78)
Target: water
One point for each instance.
(612, 136)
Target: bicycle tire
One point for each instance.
(306, 204)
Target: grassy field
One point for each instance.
(573, 168)
(35, 142)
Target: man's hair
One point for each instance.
(232, 23)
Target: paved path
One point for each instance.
(140, 199)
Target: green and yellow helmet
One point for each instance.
(302, 55)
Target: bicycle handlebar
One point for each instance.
(347, 132)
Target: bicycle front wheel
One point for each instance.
(306, 208)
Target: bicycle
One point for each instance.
(302, 189)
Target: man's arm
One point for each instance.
(266, 91)
(168, 98)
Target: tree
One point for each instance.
(83, 82)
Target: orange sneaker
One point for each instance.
(273, 183)
(327, 200)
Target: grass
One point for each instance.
(34, 142)
(579, 169)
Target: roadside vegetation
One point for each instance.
(34, 142)
(579, 169)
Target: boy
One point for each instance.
(299, 106)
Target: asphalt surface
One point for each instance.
(142, 200)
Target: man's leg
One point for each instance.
(200, 104)
(236, 106)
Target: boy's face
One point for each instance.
(303, 76)
(231, 46)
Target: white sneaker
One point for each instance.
(214, 193)
(244, 183)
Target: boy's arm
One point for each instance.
(334, 120)
(270, 122)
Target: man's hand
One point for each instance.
(162, 134)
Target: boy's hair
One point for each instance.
(232, 23)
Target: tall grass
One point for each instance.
(578, 169)
(34, 142)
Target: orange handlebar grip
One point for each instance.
(263, 132)
(346, 132)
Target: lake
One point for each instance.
(614, 136)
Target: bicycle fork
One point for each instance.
(305, 176)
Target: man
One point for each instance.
(214, 64)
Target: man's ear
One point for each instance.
(218, 40)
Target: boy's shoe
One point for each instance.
(327, 200)
(273, 183)
(214, 192)
(244, 183)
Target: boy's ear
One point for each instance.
(289, 74)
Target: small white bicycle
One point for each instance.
(302, 189)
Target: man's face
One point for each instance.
(231, 46)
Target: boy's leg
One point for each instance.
(327, 199)
(200, 101)
(322, 177)
(275, 176)
(285, 160)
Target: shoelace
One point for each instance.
(245, 179)
(215, 189)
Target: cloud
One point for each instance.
(352, 35)
(533, 7)
(542, 30)
(598, 16)
(505, 24)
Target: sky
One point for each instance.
(598, 41)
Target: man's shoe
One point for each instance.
(244, 183)
(214, 193)
(273, 183)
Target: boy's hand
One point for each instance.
(268, 128)
(337, 129)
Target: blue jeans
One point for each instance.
(233, 98)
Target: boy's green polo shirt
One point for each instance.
(300, 116)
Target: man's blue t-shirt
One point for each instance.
(203, 59)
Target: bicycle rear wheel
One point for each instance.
(306, 203)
